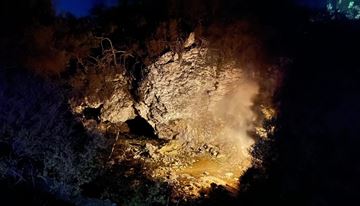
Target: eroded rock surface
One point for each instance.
(192, 98)
(107, 90)
(200, 110)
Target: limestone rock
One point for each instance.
(152, 150)
(108, 90)
(189, 97)
(119, 107)
(179, 95)
(190, 40)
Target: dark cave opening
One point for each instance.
(140, 127)
(92, 113)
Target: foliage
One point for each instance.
(125, 184)
(47, 147)
(349, 8)
(17, 18)
(39, 41)
(52, 47)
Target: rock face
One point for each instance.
(192, 99)
(107, 90)
(175, 90)
(120, 106)
(204, 108)
(188, 97)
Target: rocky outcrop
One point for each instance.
(107, 90)
(189, 97)
(120, 106)
(185, 97)
(201, 110)
(203, 107)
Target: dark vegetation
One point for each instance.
(46, 156)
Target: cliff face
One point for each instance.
(192, 99)
(176, 91)
(189, 97)
(202, 107)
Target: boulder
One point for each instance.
(107, 90)
(193, 98)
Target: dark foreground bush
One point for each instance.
(41, 143)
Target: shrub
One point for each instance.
(47, 147)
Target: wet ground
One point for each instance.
(188, 170)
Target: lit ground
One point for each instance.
(187, 170)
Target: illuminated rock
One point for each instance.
(107, 90)
(188, 97)
(192, 98)
(120, 106)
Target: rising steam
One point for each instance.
(234, 114)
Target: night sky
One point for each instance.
(79, 8)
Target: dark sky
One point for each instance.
(312, 3)
(79, 7)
